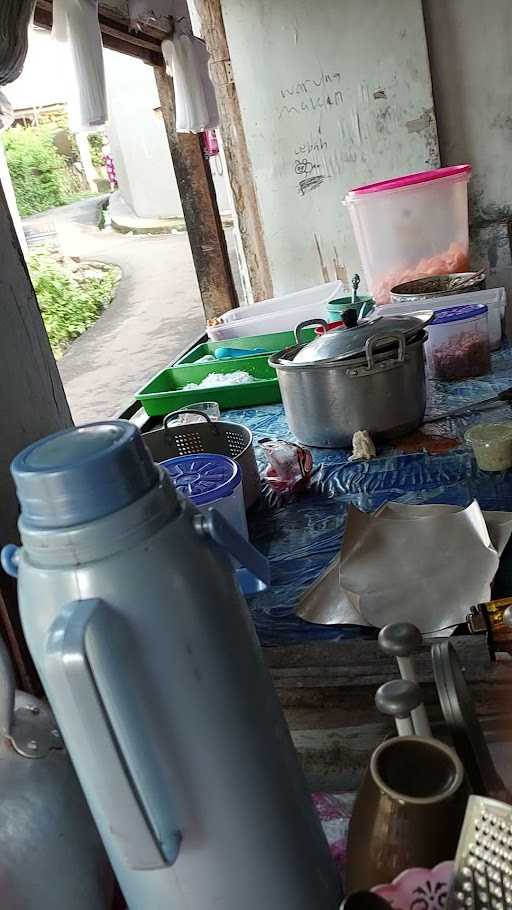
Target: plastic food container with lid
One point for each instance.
(495, 299)
(211, 481)
(280, 314)
(458, 343)
(492, 445)
(411, 227)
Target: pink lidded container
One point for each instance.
(411, 227)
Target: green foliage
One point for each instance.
(96, 145)
(39, 174)
(70, 301)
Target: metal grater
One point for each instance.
(483, 864)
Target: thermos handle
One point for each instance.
(79, 632)
(213, 525)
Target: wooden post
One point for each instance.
(32, 405)
(235, 149)
(199, 202)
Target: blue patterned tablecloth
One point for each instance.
(302, 535)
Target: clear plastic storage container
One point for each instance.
(458, 343)
(411, 227)
(492, 445)
(280, 314)
(495, 299)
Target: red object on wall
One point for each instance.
(210, 143)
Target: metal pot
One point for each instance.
(382, 390)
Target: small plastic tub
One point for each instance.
(211, 481)
(458, 343)
(492, 445)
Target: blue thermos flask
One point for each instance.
(149, 659)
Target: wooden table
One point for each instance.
(327, 691)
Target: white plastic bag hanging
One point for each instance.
(186, 58)
(76, 23)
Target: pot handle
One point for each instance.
(89, 657)
(378, 339)
(304, 325)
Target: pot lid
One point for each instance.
(342, 344)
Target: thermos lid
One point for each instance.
(81, 474)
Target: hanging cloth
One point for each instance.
(186, 59)
(76, 23)
(15, 18)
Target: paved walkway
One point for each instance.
(156, 312)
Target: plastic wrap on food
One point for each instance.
(289, 465)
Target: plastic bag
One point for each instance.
(290, 465)
(187, 58)
(75, 22)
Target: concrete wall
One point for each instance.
(471, 64)
(333, 94)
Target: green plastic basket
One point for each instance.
(269, 343)
(164, 393)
